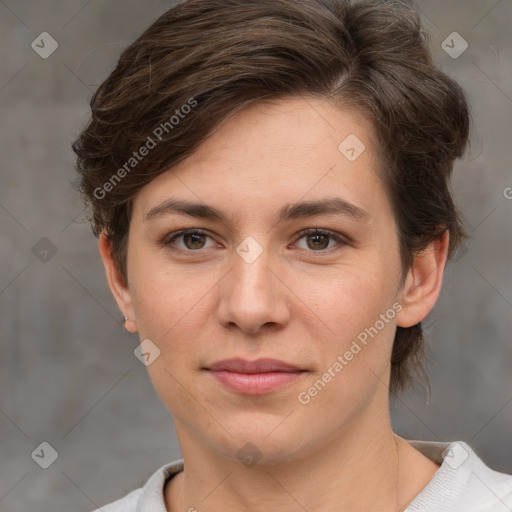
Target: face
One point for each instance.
(249, 273)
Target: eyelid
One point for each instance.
(341, 239)
(170, 237)
(167, 239)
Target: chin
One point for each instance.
(260, 443)
(255, 452)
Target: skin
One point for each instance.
(303, 300)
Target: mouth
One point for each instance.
(258, 377)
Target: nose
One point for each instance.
(253, 296)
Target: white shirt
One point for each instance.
(463, 483)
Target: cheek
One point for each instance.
(350, 296)
(164, 300)
(354, 354)
(353, 311)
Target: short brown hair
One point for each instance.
(204, 60)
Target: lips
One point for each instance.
(260, 377)
(266, 365)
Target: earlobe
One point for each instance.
(117, 284)
(423, 282)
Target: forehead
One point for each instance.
(288, 129)
(276, 152)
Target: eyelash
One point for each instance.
(170, 238)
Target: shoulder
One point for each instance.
(490, 489)
(126, 504)
(150, 497)
(463, 482)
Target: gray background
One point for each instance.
(68, 375)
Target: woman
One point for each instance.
(269, 184)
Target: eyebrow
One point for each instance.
(335, 205)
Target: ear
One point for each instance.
(423, 282)
(117, 285)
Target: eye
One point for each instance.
(193, 240)
(318, 239)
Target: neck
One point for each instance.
(356, 470)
